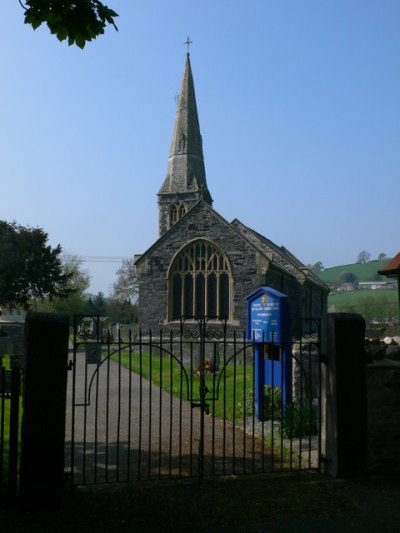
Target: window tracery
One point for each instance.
(200, 282)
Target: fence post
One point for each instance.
(345, 396)
(43, 422)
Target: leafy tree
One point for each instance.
(79, 279)
(79, 21)
(347, 277)
(98, 304)
(316, 267)
(382, 256)
(127, 284)
(76, 302)
(121, 312)
(29, 267)
(363, 257)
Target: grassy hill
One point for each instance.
(381, 305)
(363, 272)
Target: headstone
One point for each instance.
(93, 354)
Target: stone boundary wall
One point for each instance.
(383, 394)
(306, 369)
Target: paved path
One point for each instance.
(127, 429)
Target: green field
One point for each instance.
(363, 272)
(378, 304)
(371, 304)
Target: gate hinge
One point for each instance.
(70, 365)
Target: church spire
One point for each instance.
(185, 182)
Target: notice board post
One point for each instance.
(268, 327)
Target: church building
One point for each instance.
(201, 264)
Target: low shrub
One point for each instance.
(299, 419)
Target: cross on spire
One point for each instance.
(188, 42)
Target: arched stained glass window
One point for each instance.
(187, 300)
(177, 291)
(200, 282)
(212, 294)
(224, 299)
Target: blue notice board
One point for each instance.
(268, 327)
(266, 310)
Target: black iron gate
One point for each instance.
(10, 390)
(181, 404)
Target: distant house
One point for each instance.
(376, 285)
(346, 287)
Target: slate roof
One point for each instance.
(280, 256)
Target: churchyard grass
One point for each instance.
(233, 387)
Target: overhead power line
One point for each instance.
(99, 258)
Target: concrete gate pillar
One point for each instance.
(345, 395)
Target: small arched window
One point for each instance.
(176, 212)
(200, 282)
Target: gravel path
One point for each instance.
(129, 429)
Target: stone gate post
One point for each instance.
(345, 395)
(43, 422)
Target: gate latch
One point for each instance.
(204, 406)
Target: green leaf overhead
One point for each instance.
(79, 21)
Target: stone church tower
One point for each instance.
(201, 264)
(185, 182)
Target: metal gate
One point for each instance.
(182, 404)
(10, 391)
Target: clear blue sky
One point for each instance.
(299, 106)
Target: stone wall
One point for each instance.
(306, 369)
(383, 393)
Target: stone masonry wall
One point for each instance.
(383, 392)
(306, 363)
